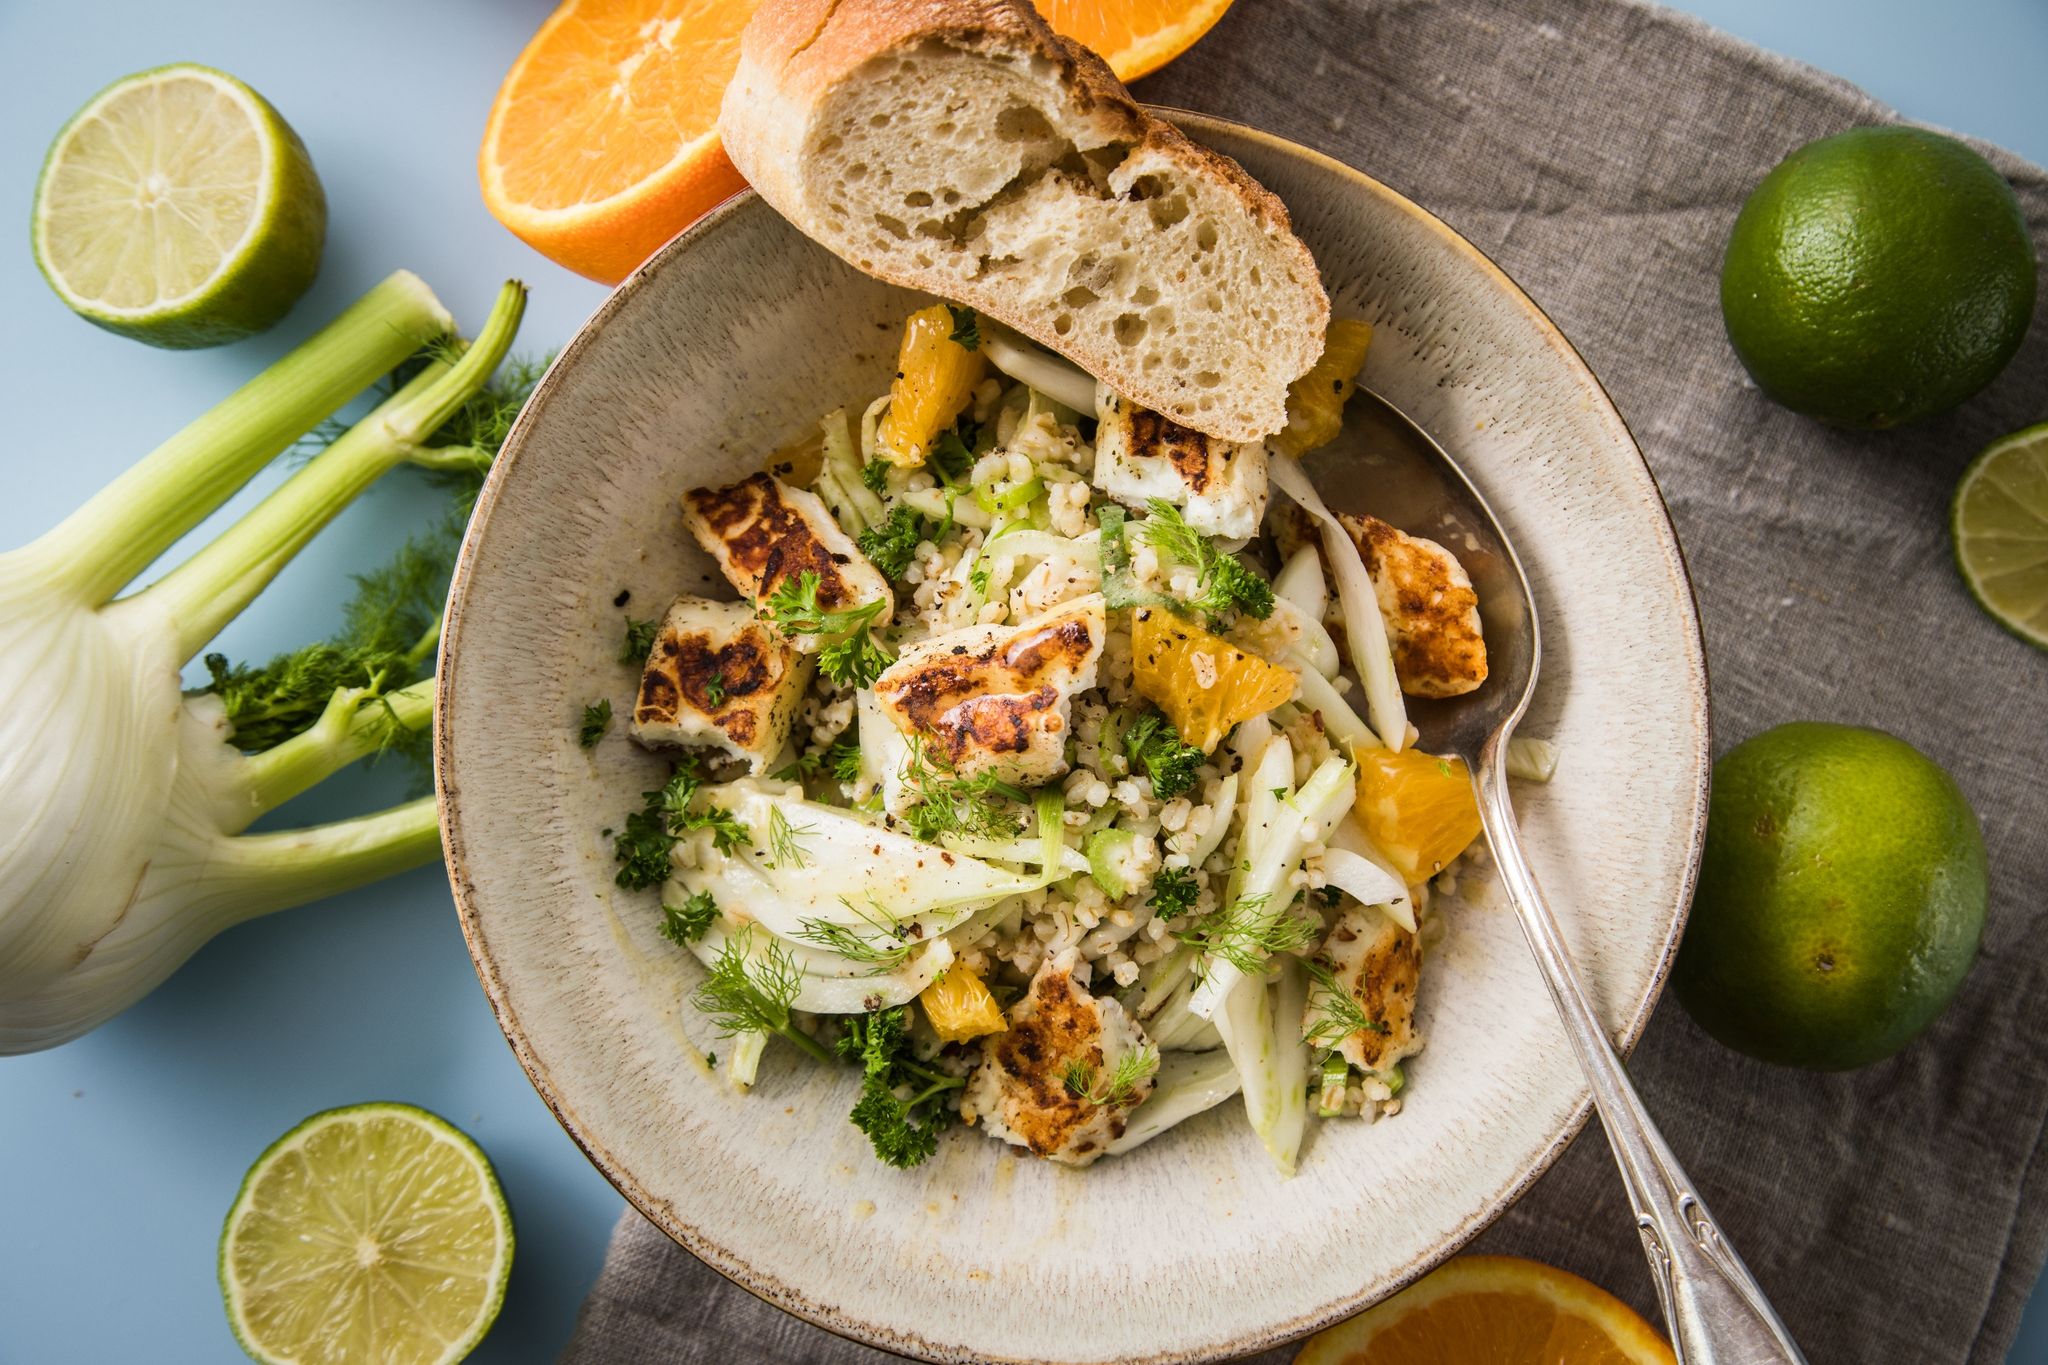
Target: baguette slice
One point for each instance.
(963, 148)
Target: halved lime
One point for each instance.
(375, 1232)
(1999, 520)
(180, 209)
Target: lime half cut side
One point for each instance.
(177, 207)
(2000, 524)
(371, 1233)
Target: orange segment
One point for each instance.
(935, 379)
(1134, 36)
(1500, 1310)
(960, 1007)
(1416, 808)
(603, 143)
(1203, 683)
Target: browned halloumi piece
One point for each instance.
(720, 676)
(1379, 963)
(763, 532)
(1220, 486)
(1425, 597)
(1024, 1091)
(998, 698)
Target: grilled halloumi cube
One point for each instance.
(763, 532)
(720, 676)
(1051, 1081)
(1220, 486)
(998, 698)
(1378, 963)
(1425, 597)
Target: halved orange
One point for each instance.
(1136, 37)
(1500, 1310)
(603, 141)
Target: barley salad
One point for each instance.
(1052, 771)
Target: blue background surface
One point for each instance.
(119, 1153)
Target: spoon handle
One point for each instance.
(1716, 1312)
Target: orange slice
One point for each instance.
(1501, 1310)
(603, 141)
(1416, 808)
(1134, 36)
(1203, 683)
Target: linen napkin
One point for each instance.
(1598, 150)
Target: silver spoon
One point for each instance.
(1716, 1312)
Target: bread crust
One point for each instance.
(795, 53)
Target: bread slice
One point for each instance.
(963, 148)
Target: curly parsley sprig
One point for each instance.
(644, 847)
(848, 654)
(895, 1087)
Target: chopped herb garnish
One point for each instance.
(651, 833)
(1334, 1013)
(1174, 891)
(879, 1043)
(1225, 584)
(1242, 934)
(849, 655)
(1132, 1069)
(597, 718)
(874, 476)
(639, 641)
(714, 690)
(1153, 744)
(745, 994)
(785, 847)
(966, 327)
(952, 455)
(892, 544)
(686, 923)
(945, 804)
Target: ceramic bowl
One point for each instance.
(729, 344)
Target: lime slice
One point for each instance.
(375, 1232)
(180, 209)
(2000, 524)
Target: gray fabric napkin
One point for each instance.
(1598, 150)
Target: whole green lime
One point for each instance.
(1840, 900)
(1877, 277)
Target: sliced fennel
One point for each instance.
(124, 848)
(830, 984)
(1348, 838)
(1364, 629)
(1186, 1084)
(1051, 375)
(1219, 823)
(1532, 760)
(900, 878)
(1314, 646)
(1276, 836)
(1261, 1028)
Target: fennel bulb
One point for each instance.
(122, 847)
